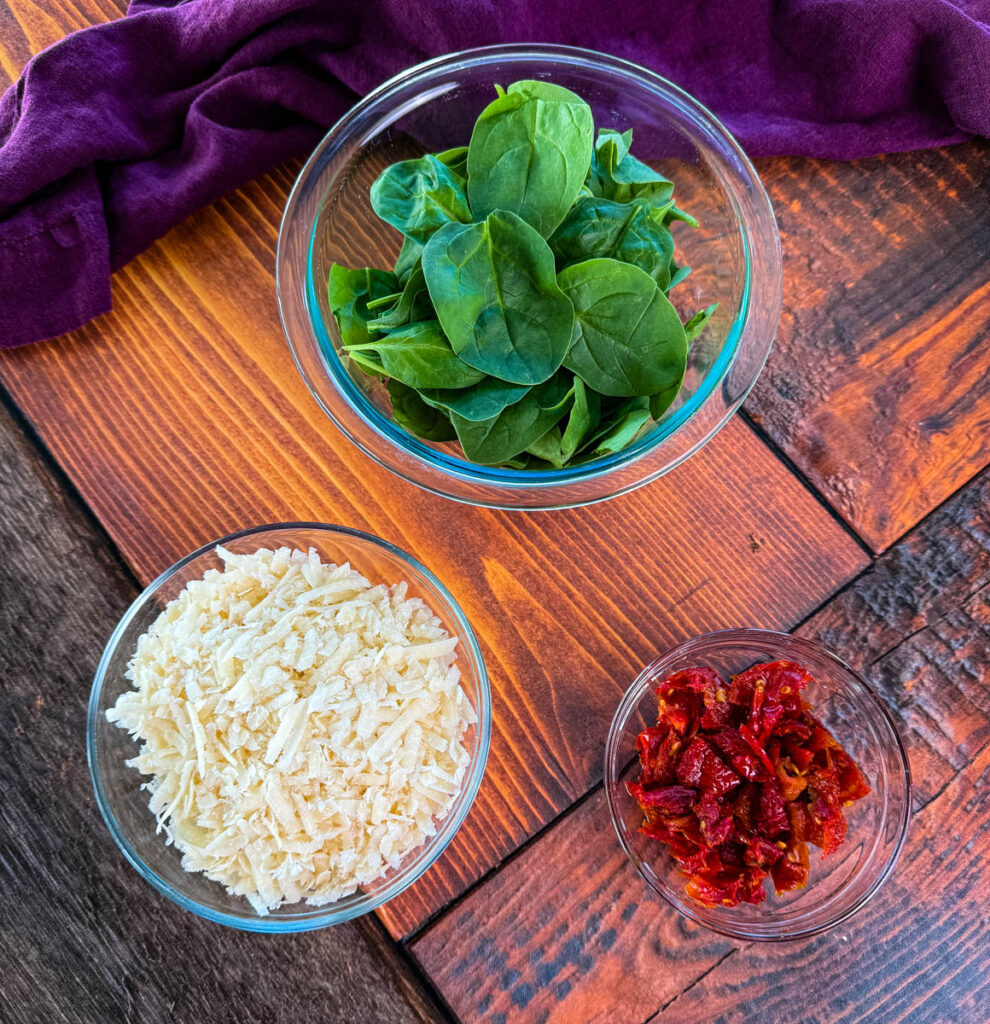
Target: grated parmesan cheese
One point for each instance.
(302, 729)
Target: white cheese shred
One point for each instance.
(303, 730)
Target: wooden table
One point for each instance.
(849, 502)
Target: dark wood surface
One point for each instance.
(568, 931)
(878, 386)
(82, 937)
(179, 417)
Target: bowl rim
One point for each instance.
(420, 859)
(642, 684)
(519, 482)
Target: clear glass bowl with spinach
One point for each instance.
(487, 291)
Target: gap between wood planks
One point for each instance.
(375, 929)
(797, 472)
(427, 925)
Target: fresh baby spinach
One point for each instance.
(629, 232)
(409, 256)
(409, 305)
(519, 425)
(419, 196)
(617, 175)
(529, 154)
(481, 401)
(495, 292)
(419, 356)
(527, 314)
(348, 293)
(628, 339)
(414, 415)
(697, 323)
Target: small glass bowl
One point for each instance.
(735, 253)
(124, 805)
(839, 884)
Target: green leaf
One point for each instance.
(676, 213)
(414, 415)
(496, 296)
(530, 153)
(629, 232)
(367, 363)
(407, 259)
(420, 356)
(623, 426)
(697, 323)
(662, 400)
(482, 401)
(409, 306)
(583, 419)
(617, 175)
(677, 274)
(548, 447)
(496, 440)
(348, 292)
(420, 196)
(628, 339)
(456, 160)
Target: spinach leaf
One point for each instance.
(582, 420)
(676, 213)
(348, 293)
(494, 441)
(496, 296)
(529, 154)
(630, 232)
(409, 306)
(414, 415)
(420, 356)
(662, 400)
(481, 401)
(407, 259)
(617, 175)
(456, 160)
(697, 323)
(628, 339)
(367, 362)
(548, 447)
(420, 196)
(677, 274)
(622, 427)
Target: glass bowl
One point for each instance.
(839, 884)
(124, 805)
(735, 254)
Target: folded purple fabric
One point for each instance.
(116, 133)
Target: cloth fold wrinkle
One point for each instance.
(117, 132)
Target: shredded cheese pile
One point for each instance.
(302, 728)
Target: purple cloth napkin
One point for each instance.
(119, 131)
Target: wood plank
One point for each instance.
(568, 931)
(879, 383)
(916, 955)
(83, 938)
(180, 417)
(916, 625)
(27, 27)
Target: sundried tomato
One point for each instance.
(737, 778)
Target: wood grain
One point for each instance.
(181, 417)
(916, 955)
(82, 937)
(879, 383)
(568, 932)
